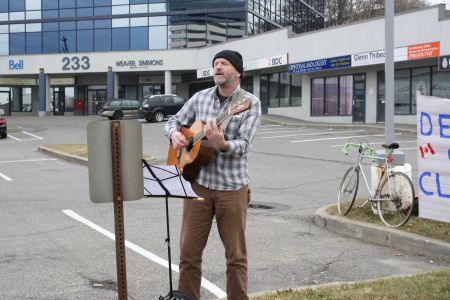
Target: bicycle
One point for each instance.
(394, 195)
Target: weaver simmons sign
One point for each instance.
(433, 138)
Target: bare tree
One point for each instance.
(347, 11)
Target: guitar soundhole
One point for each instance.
(190, 145)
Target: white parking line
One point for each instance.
(5, 177)
(281, 131)
(338, 138)
(205, 283)
(377, 143)
(27, 160)
(314, 133)
(35, 136)
(13, 137)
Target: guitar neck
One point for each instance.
(199, 136)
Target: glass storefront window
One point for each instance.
(274, 94)
(402, 94)
(296, 90)
(317, 96)
(441, 83)
(21, 99)
(420, 81)
(345, 95)
(284, 89)
(69, 93)
(331, 96)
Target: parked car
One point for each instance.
(3, 129)
(157, 107)
(116, 109)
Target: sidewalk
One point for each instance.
(288, 121)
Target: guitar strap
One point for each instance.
(238, 98)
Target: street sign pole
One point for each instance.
(389, 70)
(118, 210)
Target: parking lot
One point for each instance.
(56, 243)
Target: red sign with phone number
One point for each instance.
(423, 51)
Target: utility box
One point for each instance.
(399, 157)
(100, 160)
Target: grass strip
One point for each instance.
(433, 285)
(80, 150)
(425, 227)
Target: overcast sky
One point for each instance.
(440, 1)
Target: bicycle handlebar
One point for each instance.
(361, 147)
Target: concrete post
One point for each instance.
(110, 84)
(42, 93)
(167, 82)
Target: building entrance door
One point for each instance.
(96, 98)
(359, 98)
(4, 103)
(59, 101)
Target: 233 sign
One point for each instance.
(75, 63)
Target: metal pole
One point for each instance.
(118, 211)
(168, 248)
(389, 70)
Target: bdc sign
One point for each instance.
(275, 61)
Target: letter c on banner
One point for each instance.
(438, 183)
(428, 133)
(421, 185)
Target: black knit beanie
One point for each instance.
(234, 57)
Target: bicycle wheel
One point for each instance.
(396, 199)
(348, 190)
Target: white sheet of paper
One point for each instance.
(170, 178)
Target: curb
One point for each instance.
(299, 122)
(79, 159)
(385, 236)
(63, 155)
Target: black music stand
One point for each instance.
(166, 181)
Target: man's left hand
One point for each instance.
(214, 134)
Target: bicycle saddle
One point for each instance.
(391, 146)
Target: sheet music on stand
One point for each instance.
(162, 180)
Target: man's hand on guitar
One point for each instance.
(178, 140)
(214, 134)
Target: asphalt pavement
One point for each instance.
(381, 235)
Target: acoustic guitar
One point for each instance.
(199, 152)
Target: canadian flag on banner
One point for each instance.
(426, 149)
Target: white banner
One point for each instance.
(433, 141)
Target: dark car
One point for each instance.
(3, 129)
(116, 109)
(157, 107)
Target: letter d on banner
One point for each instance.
(100, 161)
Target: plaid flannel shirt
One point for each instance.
(228, 170)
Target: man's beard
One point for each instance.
(222, 82)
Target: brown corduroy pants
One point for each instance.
(230, 210)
